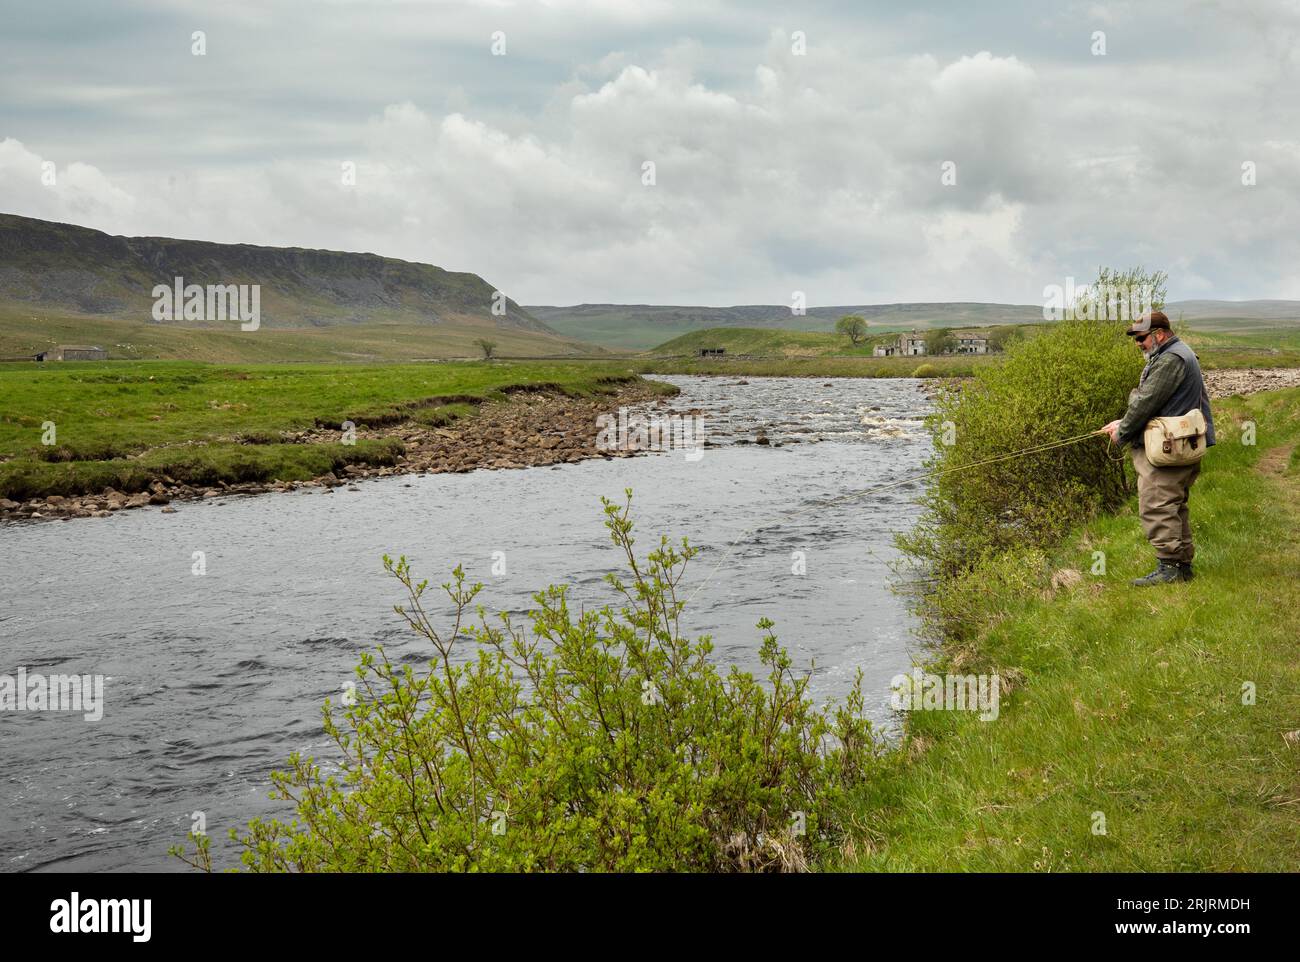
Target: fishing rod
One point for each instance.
(938, 472)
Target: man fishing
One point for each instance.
(1171, 385)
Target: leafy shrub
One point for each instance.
(959, 607)
(605, 741)
(1063, 383)
(927, 370)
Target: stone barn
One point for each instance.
(74, 352)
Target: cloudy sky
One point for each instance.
(794, 148)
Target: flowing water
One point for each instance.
(212, 680)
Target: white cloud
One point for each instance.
(73, 192)
(774, 172)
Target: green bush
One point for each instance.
(605, 741)
(927, 370)
(1061, 384)
(1004, 335)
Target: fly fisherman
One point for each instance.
(1171, 386)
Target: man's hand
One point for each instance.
(1113, 430)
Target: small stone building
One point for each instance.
(74, 352)
(970, 342)
(911, 343)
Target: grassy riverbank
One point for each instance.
(1126, 702)
(123, 425)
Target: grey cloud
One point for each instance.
(775, 172)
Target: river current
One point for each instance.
(212, 679)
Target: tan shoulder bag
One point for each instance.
(1175, 441)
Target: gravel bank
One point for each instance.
(1226, 382)
(529, 430)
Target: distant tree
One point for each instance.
(1004, 334)
(939, 340)
(854, 326)
(1121, 294)
(487, 347)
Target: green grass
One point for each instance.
(126, 423)
(1129, 701)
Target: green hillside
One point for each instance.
(25, 330)
(70, 269)
(766, 342)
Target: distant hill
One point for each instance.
(765, 342)
(26, 330)
(643, 326)
(1244, 310)
(774, 342)
(82, 271)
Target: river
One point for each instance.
(212, 680)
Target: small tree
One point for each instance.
(1002, 336)
(939, 341)
(854, 326)
(487, 347)
(1121, 294)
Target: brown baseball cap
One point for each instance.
(1144, 324)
